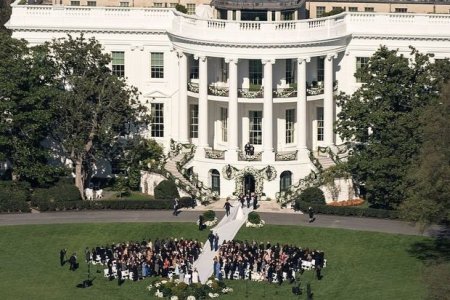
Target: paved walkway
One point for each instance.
(283, 217)
(227, 229)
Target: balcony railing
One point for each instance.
(247, 93)
(286, 156)
(192, 87)
(221, 91)
(285, 93)
(214, 154)
(257, 156)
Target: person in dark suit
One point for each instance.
(311, 215)
(211, 240)
(248, 198)
(227, 207)
(62, 256)
(73, 262)
(175, 207)
(200, 222)
(255, 201)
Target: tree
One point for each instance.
(5, 14)
(95, 110)
(140, 153)
(382, 119)
(428, 193)
(26, 79)
(181, 8)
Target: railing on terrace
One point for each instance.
(214, 154)
(218, 91)
(247, 93)
(257, 156)
(286, 156)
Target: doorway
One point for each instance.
(249, 184)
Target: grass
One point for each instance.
(361, 265)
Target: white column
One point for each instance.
(238, 15)
(233, 119)
(268, 154)
(302, 132)
(269, 15)
(203, 102)
(183, 125)
(328, 102)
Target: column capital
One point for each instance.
(201, 57)
(268, 61)
(300, 60)
(137, 47)
(233, 60)
(330, 56)
(180, 53)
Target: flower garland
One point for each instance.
(179, 290)
(210, 223)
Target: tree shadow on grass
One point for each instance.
(434, 250)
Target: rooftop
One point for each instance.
(257, 4)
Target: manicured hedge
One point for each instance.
(14, 196)
(104, 204)
(61, 192)
(350, 211)
(254, 218)
(186, 202)
(209, 215)
(166, 189)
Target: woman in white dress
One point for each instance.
(195, 277)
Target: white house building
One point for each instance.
(234, 76)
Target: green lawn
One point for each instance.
(361, 265)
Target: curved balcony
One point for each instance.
(214, 154)
(256, 33)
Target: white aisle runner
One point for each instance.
(227, 229)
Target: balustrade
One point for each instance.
(214, 154)
(247, 93)
(257, 156)
(286, 156)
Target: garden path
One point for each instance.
(227, 229)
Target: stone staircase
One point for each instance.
(171, 167)
(325, 161)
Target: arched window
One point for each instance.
(285, 180)
(215, 181)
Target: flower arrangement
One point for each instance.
(178, 290)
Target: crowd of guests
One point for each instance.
(274, 263)
(147, 258)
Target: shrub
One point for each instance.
(181, 8)
(166, 189)
(63, 190)
(254, 218)
(312, 195)
(14, 196)
(209, 215)
(350, 211)
(103, 204)
(186, 202)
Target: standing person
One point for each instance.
(227, 207)
(211, 239)
(216, 242)
(175, 207)
(311, 215)
(62, 256)
(200, 222)
(247, 198)
(87, 255)
(73, 262)
(242, 200)
(255, 201)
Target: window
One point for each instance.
(320, 68)
(320, 10)
(190, 8)
(124, 4)
(285, 181)
(255, 130)
(74, 3)
(193, 124)
(157, 4)
(194, 69)
(224, 70)
(290, 71)
(320, 123)
(173, 5)
(351, 8)
(401, 10)
(290, 121)
(287, 15)
(157, 65)
(224, 121)
(369, 9)
(255, 71)
(215, 181)
(157, 113)
(361, 62)
(91, 3)
(118, 63)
